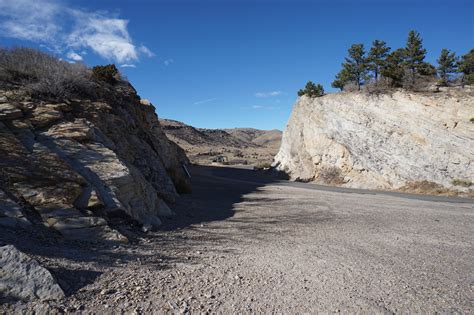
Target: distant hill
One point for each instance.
(237, 145)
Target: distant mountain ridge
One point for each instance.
(245, 145)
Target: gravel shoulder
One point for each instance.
(242, 243)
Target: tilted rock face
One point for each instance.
(23, 278)
(380, 141)
(78, 163)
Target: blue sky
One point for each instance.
(224, 64)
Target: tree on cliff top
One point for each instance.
(312, 90)
(415, 55)
(466, 66)
(377, 57)
(447, 66)
(393, 68)
(355, 67)
(342, 78)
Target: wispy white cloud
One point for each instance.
(29, 20)
(204, 101)
(61, 28)
(263, 107)
(147, 52)
(128, 65)
(167, 62)
(268, 94)
(73, 56)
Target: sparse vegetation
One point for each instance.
(41, 74)
(461, 182)
(331, 175)
(472, 119)
(107, 73)
(312, 90)
(427, 188)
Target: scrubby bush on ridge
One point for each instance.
(108, 73)
(43, 75)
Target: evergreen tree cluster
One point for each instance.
(401, 67)
(312, 90)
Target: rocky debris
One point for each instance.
(8, 111)
(23, 278)
(380, 141)
(79, 164)
(229, 146)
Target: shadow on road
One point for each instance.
(215, 192)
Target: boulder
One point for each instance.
(23, 278)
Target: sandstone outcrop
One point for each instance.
(384, 141)
(77, 164)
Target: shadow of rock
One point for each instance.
(215, 191)
(72, 280)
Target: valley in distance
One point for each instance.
(236, 146)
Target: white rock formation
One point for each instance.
(380, 141)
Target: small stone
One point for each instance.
(146, 228)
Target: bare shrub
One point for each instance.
(426, 187)
(418, 83)
(107, 73)
(43, 75)
(350, 87)
(462, 182)
(331, 175)
(381, 86)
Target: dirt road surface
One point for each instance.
(246, 243)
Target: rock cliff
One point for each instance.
(384, 141)
(76, 165)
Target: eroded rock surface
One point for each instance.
(23, 278)
(76, 164)
(381, 141)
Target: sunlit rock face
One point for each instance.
(383, 141)
(77, 163)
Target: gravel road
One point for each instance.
(247, 244)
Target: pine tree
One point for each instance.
(394, 67)
(342, 78)
(414, 53)
(466, 66)
(377, 57)
(356, 65)
(312, 90)
(446, 65)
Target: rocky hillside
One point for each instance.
(238, 145)
(401, 140)
(77, 166)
